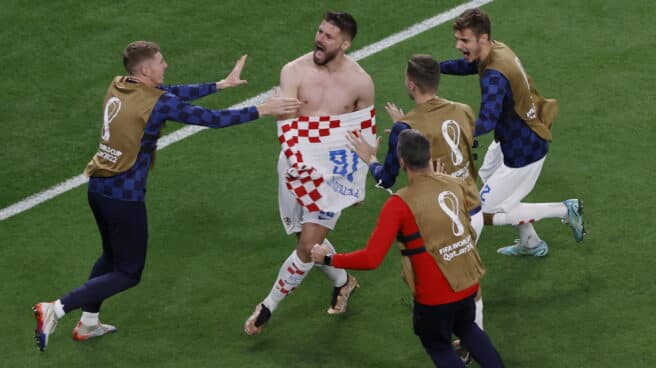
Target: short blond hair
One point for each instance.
(138, 51)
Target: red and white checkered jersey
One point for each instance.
(324, 174)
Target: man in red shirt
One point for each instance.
(444, 266)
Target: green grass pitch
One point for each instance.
(215, 238)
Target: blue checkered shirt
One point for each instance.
(520, 145)
(385, 174)
(130, 185)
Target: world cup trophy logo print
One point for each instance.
(451, 134)
(449, 204)
(111, 110)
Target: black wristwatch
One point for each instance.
(327, 259)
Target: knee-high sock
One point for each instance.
(525, 213)
(527, 236)
(523, 216)
(291, 274)
(337, 275)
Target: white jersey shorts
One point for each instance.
(292, 214)
(504, 187)
(477, 222)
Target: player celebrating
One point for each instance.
(521, 120)
(444, 268)
(135, 110)
(449, 127)
(328, 82)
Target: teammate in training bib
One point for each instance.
(135, 109)
(449, 127)
(521, 120)
(441, 263)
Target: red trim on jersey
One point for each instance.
(432, 288)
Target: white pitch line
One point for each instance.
(190, 130)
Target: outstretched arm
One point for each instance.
(189, 92)
(386, 174)
(389, 223)
(458, 67)
(171, 107)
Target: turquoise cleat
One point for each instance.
(541, 250)
(575, 218)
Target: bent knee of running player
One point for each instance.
(498, 196)
(310, 235)
(493, 201)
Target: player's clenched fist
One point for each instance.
(318, 253)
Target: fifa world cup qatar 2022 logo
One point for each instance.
(449, 204)
(451, 134)
(112, 108)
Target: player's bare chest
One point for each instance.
(322, 92)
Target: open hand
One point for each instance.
(364, 150)
(395, 112)
(234, 78)
(438, 167)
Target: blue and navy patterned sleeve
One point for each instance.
(385, 174)
(189, 92)
(171, 107)
(458, 67)
(494, 87)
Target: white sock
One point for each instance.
(59, 309)
(89, 319)
(525, 213)
(337, 275)
(291, 274)
(527, 236)
(478, 319)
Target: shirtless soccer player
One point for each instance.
(328, 82)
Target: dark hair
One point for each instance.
(138, 51)
(424, 71)
(343, 21)
(414, 149)
(476, 20)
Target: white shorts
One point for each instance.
(504, 187)
(492, 161)
(477, 223)
(292, 214)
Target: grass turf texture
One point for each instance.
(215, 239)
